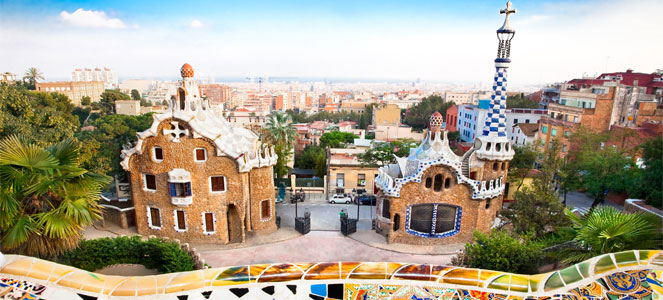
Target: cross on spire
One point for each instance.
(508, 10)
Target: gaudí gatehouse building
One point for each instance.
(434, 196)
(472, 187)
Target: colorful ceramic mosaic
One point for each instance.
(625, 275)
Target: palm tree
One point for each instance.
(282, 134)
(46, 199)
(33, 74)
(606, 230)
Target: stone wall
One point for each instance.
(123, 217)
(475, 215)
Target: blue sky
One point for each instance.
(433, 40)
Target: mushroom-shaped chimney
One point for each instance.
(186, 71)
(435, 122)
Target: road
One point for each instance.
(324, 216)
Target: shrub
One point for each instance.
(501, 252)
(165, 256)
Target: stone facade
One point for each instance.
(200, 192)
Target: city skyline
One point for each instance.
(441, 42)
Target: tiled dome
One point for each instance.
(186, 71)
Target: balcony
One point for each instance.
(181, 201)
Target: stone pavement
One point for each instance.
(376, 240)
(317, 246)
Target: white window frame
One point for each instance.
(154, 154)
(145, 183)
(225, 184)
(195, 158)
(176, 222)
(149, 218)
(205, 220)
(271, 211)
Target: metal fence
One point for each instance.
(309, 182)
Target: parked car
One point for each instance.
(366, 200)
(340, 198)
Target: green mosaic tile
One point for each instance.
(604, 264)
(500, 283)
(584, 268)
(570, 275)
(626, 258)
(554, 282)
(645, 255)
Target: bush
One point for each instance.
(500, 251)
(165, 256)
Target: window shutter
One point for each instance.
(187, 188)
(181, 225)
(209, 222)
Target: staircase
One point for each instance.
(465, 167)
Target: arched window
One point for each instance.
(503, 166)
(498, 146)
(397, 222)
(438, 183)
(429, 182)
(488, 146)
(447, 182)
(494, 166)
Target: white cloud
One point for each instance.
(196, 24)
(90, 18)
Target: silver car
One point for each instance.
(339, 198)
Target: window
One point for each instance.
(544, 129)
(265, 210)
(397, 222)
(154, 217)
(179, 189)
(340, 180)
(429, 182)
(553, 132)
(543, 142)
(385, 208)
(503, 166)
(563, 148)
(180, 221)
(515, 121)
(488, 204)
(575, 119)
(447, 182)
(552, 115)
(527, 121)
(361, 179)
(495, 166)
(566, 133)
(150, 182)
(208, 225)
(433, 220)
(200, 154)
(217, 184)
(157, 153)
(437, 186)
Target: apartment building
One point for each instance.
(74, 90)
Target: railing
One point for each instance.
(628, 274)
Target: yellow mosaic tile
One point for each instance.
(125, 288)
(186, 281)
(41, 269)
(370, 270)
(95, 283)
(19, 267)
(146, 285)
(110, 282)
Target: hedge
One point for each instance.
(165, 256)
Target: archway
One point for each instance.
(234, 224)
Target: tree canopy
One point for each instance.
(108, 98)
(520, 102)
(649, 183)
(135, 94)
(418, 116)
(381, 154)
(281, 133)
(337, 139)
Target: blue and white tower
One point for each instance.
(493, 143)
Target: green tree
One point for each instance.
(306, 160)
(107, 102)
(336, 139)
(522, 163)
(281, 134)
(381, 154)
(32, 75)
(145, 103)
(46, 198)
(135, 94)
(418, 116)
(106, 140)
(537, 208)
(41, 118)
(85, 100)
(501, 252)
(597, 168)
(520, 102)
(649, 183)
(606, 230)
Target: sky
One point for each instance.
(444, 41)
